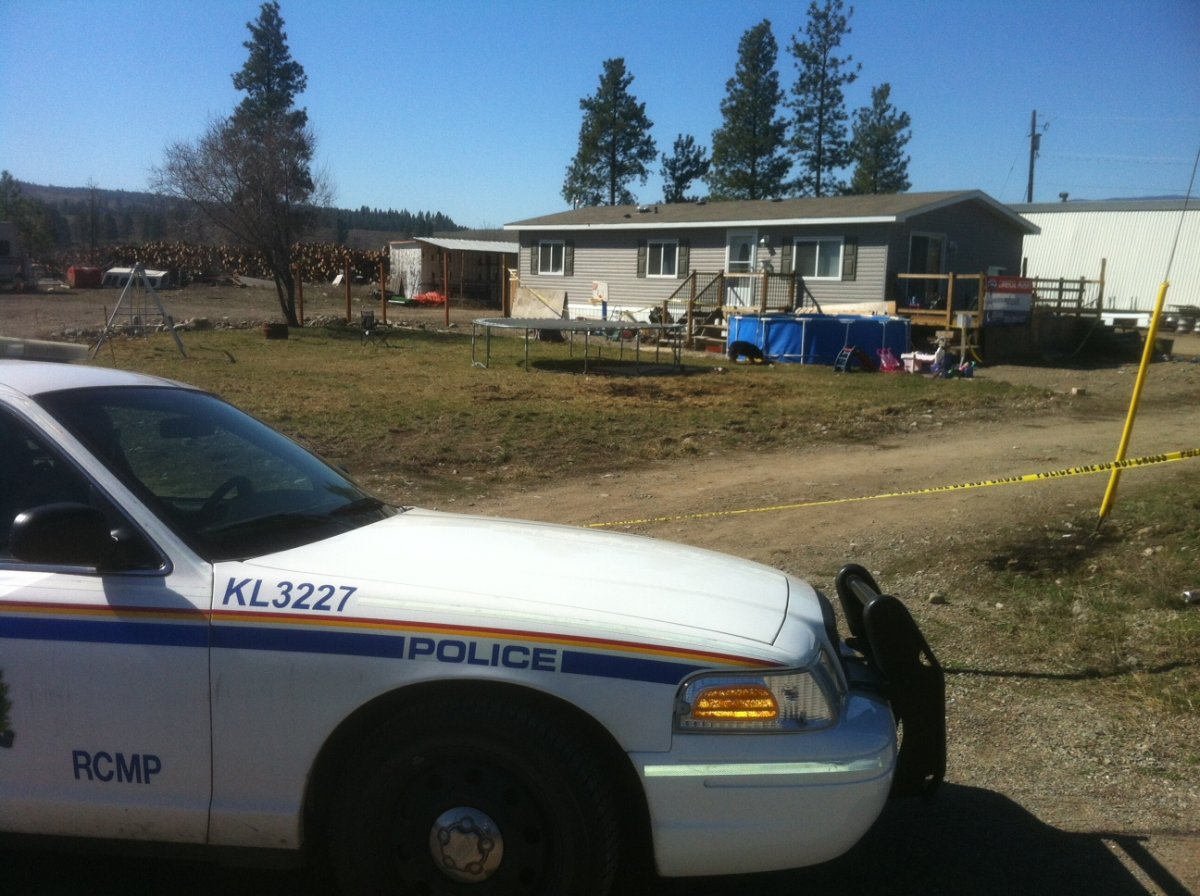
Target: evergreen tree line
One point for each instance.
(404, 222)
(82, 222)
(771, 143)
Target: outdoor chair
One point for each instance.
(373, 331)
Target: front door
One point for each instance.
(741, 253)
(926, 255)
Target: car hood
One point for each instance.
(430, 566)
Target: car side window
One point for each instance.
(33, 473)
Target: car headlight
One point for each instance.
(784, 700)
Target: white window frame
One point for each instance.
(552, 246)
(751, 239)
(659, 249)
(818, 241)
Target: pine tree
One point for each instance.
(687, 163)
(270, 77)
(615, 144)
(819, 135)
(880, 135)
(747, 150)
(33, 219)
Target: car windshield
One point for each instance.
(231, 486)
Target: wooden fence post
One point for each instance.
(383, 291)
(950, 300)
(299, 296)
(446, 281)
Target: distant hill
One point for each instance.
(89, 217)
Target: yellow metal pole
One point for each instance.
(1147, 353)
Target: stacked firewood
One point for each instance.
(317, 262)
(321, 262)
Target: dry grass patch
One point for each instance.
(416, 420)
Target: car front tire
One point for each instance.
(474, 796)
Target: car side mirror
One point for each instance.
(66, 534)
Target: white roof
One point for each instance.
(36, 377)
(497, 246)
(148, 273)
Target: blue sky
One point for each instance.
(471, 108)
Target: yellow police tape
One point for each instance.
(984, 483)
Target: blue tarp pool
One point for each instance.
(818, 338)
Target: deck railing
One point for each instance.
(949, 300)
(706, 299)
(956, 301)
(1068, 297)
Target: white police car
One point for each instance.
(209, 636)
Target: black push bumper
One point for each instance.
(891, 643)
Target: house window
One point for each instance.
(819, 259)
(550, 257)
(662, 258)
(740, 252)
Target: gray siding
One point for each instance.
(980, 240)
(612, 257)
(977, 240)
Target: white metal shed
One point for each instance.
(477, 268)
(1134, 237)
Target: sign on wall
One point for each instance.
(1009, 301)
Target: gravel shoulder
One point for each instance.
(1053, 766)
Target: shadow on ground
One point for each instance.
(966, 840)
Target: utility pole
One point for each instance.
(1035, 142)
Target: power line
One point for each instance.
(1179, 228)
(1089, 157)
